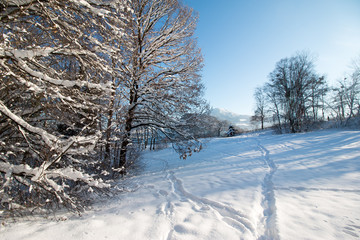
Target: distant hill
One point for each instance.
(241, 121)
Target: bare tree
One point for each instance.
(274, 105)
(316, 98)
(346, 98)
(260, 101)
(338, 103)
(291, 85)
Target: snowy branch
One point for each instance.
(48, 138)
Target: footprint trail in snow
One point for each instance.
(268, 202)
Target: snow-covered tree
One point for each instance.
(54, 77)
(160, 73)
(77, 79)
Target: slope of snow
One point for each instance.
(256, 186)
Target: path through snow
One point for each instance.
(256, 186)
(269, 203)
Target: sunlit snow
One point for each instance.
(254, 186)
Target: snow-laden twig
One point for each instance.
(65, 173)
(20, 55)
(48, 138)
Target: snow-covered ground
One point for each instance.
(256, 186)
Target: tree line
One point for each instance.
(86, 84)
(296, 97)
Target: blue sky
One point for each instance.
(242, 40)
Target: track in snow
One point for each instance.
(268, 203)
(230, 216)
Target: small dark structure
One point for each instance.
(231, 131)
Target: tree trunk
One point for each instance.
(153, 143)
(292, 125)
(128, 128)
(109, 121)
(126, 140)
(108, 129)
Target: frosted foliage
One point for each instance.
(54, 71)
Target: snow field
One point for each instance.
(256, 186)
